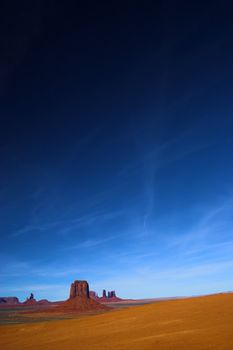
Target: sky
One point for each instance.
(116, 147)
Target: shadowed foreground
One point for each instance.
(194, 323)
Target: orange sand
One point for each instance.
(187, 324)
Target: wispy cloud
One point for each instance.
(64, 227)
(208, 227)
(27, 229)
(90, 243)
(34, 269)
(90, 219)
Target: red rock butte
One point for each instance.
(79, 300)
(79, 289)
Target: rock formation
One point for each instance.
(43, 302)
(107, 297)
(79, 289)
(111, 294)
(79, 300)
(93, 294)
(9, 301)
(30, 300)
(31, 296)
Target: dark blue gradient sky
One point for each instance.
(116, 147)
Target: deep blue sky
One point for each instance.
(116, 147)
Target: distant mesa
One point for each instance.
(9, 301)
(107, 297)
(43, 302)
(31, 301)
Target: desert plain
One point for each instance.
(190, 323)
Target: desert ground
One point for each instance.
(191, 323)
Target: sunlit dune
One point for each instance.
(193, 323)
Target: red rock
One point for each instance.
(9, 301)
(79, 300)
(43, 302)
(30, 302)
(93, 295)
(79, 289)
(106, 298)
